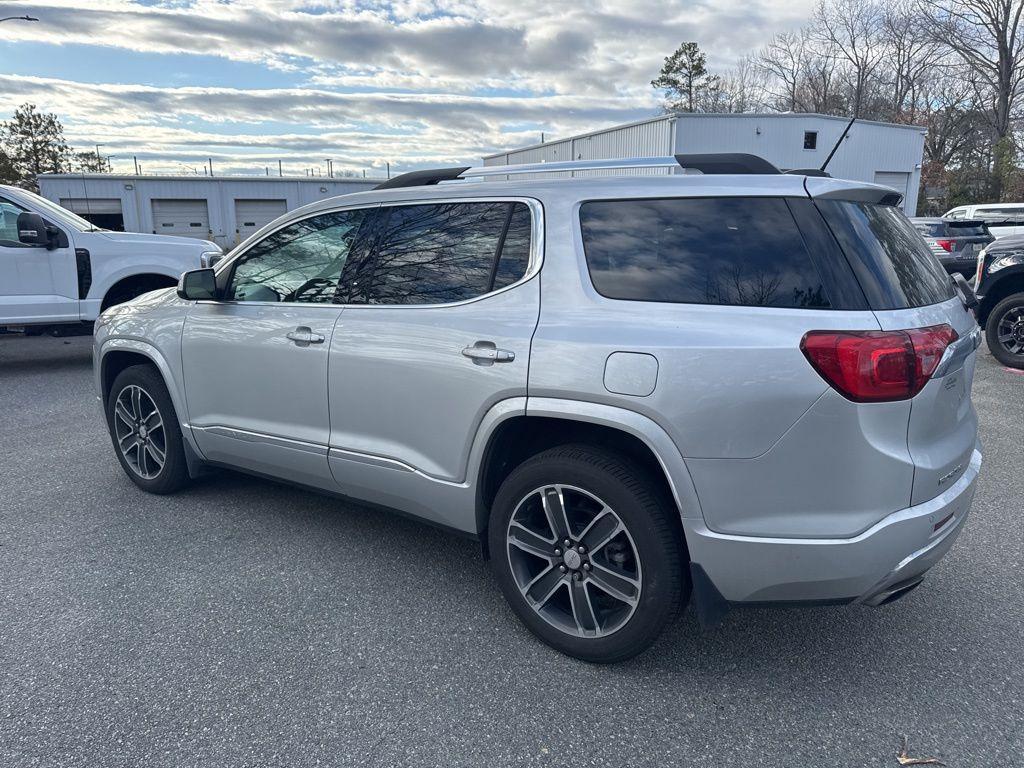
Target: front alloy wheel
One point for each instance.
(139, 431)
(144, 430)
(1004, 331)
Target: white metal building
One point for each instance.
(225, 209)
(883, 153)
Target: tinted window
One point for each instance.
(895, 267)
(440, 253)
(930, 228)
(515, 251)
(700, 251)
(9, 223)
(301, 262)
(966, 228)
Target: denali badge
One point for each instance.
(949, 475)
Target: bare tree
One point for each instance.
(912, 54)
(854, 28)
(784, 62)
(986, 35)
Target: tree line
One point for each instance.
(954, 67)
(32, 142)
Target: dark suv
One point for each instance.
(1000, 288)
(957, 243)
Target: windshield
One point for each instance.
(63, 214)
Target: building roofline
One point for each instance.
(193, 177)
(698, 115)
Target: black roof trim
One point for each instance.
(727, 162)
(816, 172)
(423, 178)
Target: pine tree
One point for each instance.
(685, 79)
(35, 144)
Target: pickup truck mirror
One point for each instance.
(32, 230)
(198, 284)
(966, 293)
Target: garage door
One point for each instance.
(181, 217)
(897, 181)
(250, 215)
(104, 212)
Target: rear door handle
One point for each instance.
(487, 353)
(303, 336)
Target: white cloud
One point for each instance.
(408, 81)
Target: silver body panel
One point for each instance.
(786, 490)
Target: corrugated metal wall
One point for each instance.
(137, 194)
(870, 148)
(650, 138)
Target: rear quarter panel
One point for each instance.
(769, 445)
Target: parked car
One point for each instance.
(742, 387)
(999, 284)
(1003, 219)
(57, 269)
(956, 243)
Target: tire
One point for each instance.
(140, 390)
(645, 561)
(1010, 314)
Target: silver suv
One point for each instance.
(739, 386)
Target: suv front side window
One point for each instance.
(301, 262)
(439, 253)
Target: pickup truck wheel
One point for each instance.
(588, 553)
(1004, 331)
(144, 430)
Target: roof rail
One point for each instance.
(715, 163)
(727, 162)
(423, 178)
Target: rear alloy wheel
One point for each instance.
(1004, 331)
(587, 552)
(144, 430)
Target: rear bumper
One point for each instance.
(878, 565)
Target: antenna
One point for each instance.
(85, 191)
(830, 154)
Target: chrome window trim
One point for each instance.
(536, 258)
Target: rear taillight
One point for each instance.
(877, 366)
(946, 245)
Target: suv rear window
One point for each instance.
(967, 228)
(893, 264)
(737, 251)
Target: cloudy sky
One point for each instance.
(417, 83)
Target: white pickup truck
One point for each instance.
(58, 269)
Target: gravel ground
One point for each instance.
(246, 623)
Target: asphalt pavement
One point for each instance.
(247, 623)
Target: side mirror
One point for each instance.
(32, 230)
(197, 285)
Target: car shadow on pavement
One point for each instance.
(819, 641)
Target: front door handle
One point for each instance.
(487, 353)
(303, 336)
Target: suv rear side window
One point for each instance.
(894, 265)
(737, 251)
(440, 253)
